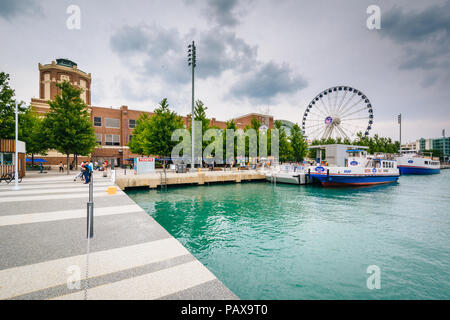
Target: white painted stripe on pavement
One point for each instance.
(67, 214)
(149, 286)
(25, 279)
(52, 186)
(60, 196)
(43, 190)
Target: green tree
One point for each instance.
(377, 143)
(285, 149)
(255, 124)
(7, 109)
(33, 133)
(298, 144)
(154, 135)
(200, 115)
(68, 124)
(136, 143)
(230, 125)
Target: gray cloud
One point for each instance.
(153, 52)
(219, 51)
(223, 12)
(424, 35)
(13, 8)
(267, 81)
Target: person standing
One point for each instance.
(91, 169)
(61, 167)
(86, 174)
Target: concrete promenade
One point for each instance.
(43, 246)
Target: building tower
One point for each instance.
(56, 72)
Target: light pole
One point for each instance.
(16, 160)
(400, 123)
(192, 61)
(443, 142)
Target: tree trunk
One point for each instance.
(67, 168)
(32, 159)
(76, 162)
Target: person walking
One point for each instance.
(80, 174)
(61, 167)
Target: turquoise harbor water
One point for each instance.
(309, 242)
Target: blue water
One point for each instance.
(308, 242)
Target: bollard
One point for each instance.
(90, 211)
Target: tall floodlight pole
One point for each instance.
(443, 142)
(16, 169)
(400, 125)
(192, 61)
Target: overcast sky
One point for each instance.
(253, 55)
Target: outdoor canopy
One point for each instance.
(36, 160)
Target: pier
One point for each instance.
(131, 256)
(153, 180)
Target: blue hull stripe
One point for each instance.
(354, 179)
(417, 170)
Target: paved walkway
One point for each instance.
(43, 247)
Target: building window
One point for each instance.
(112, 123)
(130, 137)
(6, 158)
(112, 139)
(99, 138)
(97, 121)
(132, 124)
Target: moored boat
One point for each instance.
(287, 174)
(360, 170)
(410, 162)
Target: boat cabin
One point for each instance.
(356, 158)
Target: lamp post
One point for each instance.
(16, 160)
(192, 61)
(400, 124)
(443, 143)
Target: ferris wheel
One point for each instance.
(338, 112)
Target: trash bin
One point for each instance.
(180, 168)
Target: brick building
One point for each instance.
(245, 120)
(113, 127)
